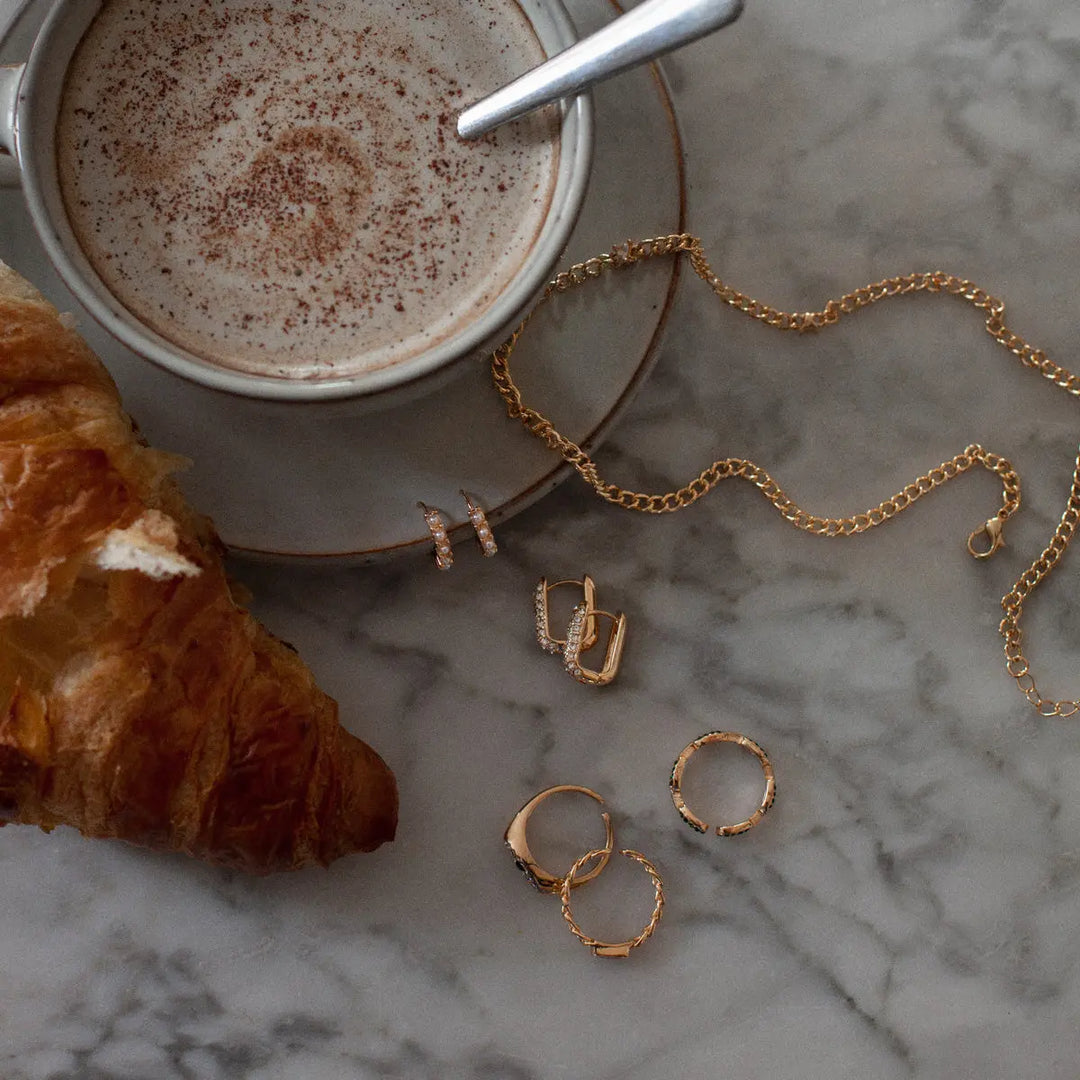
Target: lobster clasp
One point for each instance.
(992, 532)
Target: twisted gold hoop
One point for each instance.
(612, 948)
(516, 840)
(692, 819)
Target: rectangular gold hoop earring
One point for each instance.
(544, 637)
(575, 646)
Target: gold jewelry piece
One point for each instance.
(539, 878)
(715, 737)
(575, 646)
(444, 557)
(633, 251)
(612, 948)
(543, 619)
(484, 538)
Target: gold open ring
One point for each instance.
(611, 948)
(677, 774)
(540, 878)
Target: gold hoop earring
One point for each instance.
(543, 619)
(516, 840)
(444, 557)
(575, 646)
(767, 799)
(484, 536)
(612, 948)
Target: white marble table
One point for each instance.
(909, 906)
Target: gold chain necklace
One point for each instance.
(990, 534)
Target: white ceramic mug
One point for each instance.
(30, 96)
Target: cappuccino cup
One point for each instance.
(270, 199)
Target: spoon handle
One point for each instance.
(643, 33)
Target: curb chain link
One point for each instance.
(632, 252)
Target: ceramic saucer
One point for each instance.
(294, 484)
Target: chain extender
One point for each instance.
(982, 543)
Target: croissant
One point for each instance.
(138, 700)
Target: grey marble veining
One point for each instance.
(909, 906)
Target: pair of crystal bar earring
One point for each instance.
(581, 633)
(444, 555)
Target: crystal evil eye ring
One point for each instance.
(541, 879)
(767, 798)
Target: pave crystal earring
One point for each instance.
(544, 637)
(575, 646)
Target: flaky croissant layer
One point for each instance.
(138, 700)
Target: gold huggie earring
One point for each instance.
(575, 646)
(543, 628)
(612, 948)
(516, 841)
(484, 537)
(444, 557)
(766, 767)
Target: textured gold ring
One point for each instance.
(541, 879)
(612, 948)
(692, 819)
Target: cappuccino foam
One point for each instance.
(278, 187)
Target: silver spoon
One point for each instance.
(644, 33)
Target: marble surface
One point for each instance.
(908, 907)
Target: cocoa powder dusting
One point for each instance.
(281, 190)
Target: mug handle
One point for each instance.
(10, 80)
(10, 77)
